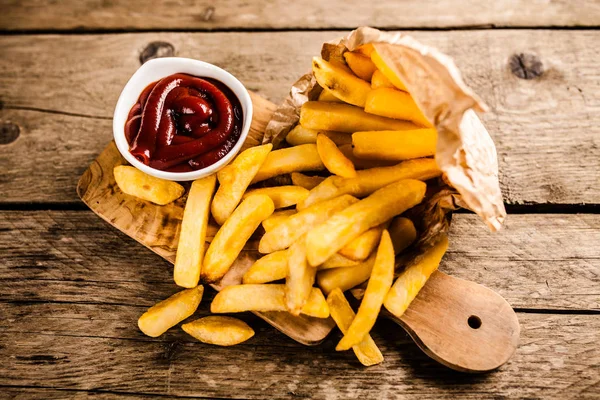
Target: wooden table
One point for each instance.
(72, 287)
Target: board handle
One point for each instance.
(461, 324)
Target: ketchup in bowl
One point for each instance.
(183, 123)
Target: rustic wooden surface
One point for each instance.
(71, 287)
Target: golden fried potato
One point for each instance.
(190, 249)
(307, 182)
(341, 84)
(369, 180)
(395, 145)
(233, 235)
(366, 351)
(276, 218)
(327, 116)
(345, 278)
(387, 71)
(282, 196)
(168, 313)
(219, 330)
(413, 278)
(269, 268)
(134, 182)
(270, 297)
(338, 261)
(328, 238)
(403, 233)
(234, 180)
(326, 95)
(333, 158)
(294, 159)
(300, 278)
(365, 49)
(290, 230)
(361, 65)
(393, 103)
(363, 163)
(378, 80)
(361, 247)
(301, 135)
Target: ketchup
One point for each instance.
(183, 123)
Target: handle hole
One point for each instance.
(474, 322)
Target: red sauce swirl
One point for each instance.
(183, 123)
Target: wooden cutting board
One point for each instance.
(459, 323)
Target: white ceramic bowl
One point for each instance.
(157, 69)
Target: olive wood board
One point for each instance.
(461, 324)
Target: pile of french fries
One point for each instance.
(358, 159)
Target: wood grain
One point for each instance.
(541, 126)
(279, 14)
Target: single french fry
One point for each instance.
(233, 235)
(326, 95)
(395, 145)
(235, 178)
(301, 135)
(366, 350)
(393, 103)
(269, 297)
(282, 196)
(345, 278)
(341, 84)
(338, 261)
(190, 249)
(276, 218)
(368, 181)
(269, 268)
(361, 65)
(378, 80)
(361, 247)
(134, 182)
(307, 182)
(365, 49)
(333, 158)
(290, 230)
(169, 312)
(387, 71)
(219, 330)
(403, 233)
(379, 284)
(294, 159)
(328, 116)
(300, 278)
(328, 238)
(414, 277)
(363, 163)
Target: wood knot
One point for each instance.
(9, 132)
(157, 50)
(526, 66)
(207, 14)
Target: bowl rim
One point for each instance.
(156, 69)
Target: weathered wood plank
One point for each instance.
(558, 358)
(39, 393)
(279, 14)
(538, 261)
(546, 129)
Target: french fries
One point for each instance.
(341, 84)
(300, 278)
(301, 135)
(361, 65)
(361, 247)
(168, 313)
(233, 235)
(403, 233)
(219, 330)
(387, 71)
(282, 196)
(326, 95)
(333, 158)
(190, 249)
(378, 80)
(327, 116)
(414, 277)
(366, 350)
(394, 103)
(369, 180)
(234, 180)
(338, 261)
(276, 218)
(294, 159)
(270, 297)
(307, 182)
(269, 268)
(326, 239)
(365, 49)
(395, 145)
(290, 230)
(345, 278)
(379, 284)
(134, 182)
(362, 163)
